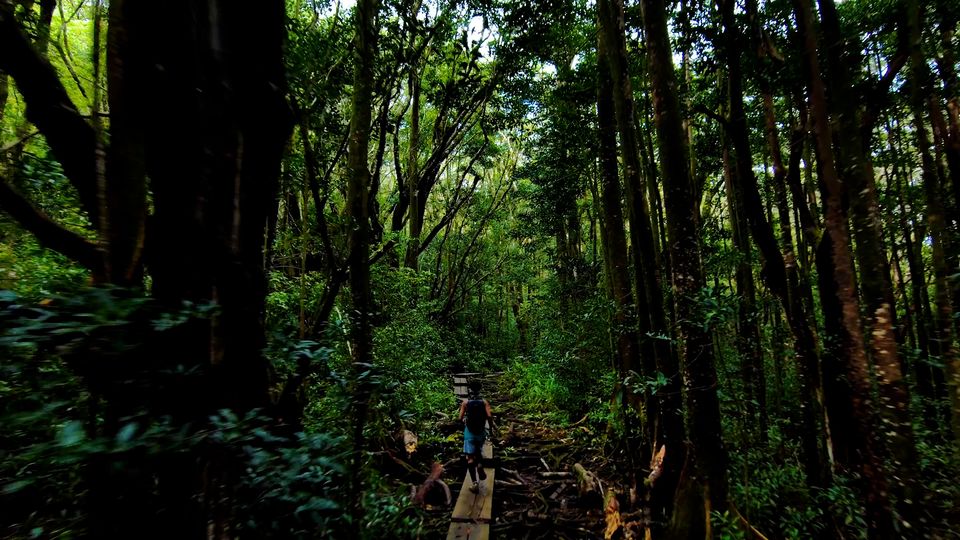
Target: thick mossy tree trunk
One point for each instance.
(706, 476)
(211, 202)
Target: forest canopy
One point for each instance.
(701, 258)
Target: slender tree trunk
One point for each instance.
(656, 354)
(875, 489)
(951, 88)
(748, 330)
(359, 238)
(415, 222)
(639, 437)
(614, 237)
(936, 219)
(919, 304)
(708, 455)
(4, 93)
(778, 338)
(779, 272)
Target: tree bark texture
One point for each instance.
(699, 372)
(359, 238)
(943, 335)
(874, 484)
(779, 273)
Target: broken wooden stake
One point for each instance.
(410, 441)
(611, 515)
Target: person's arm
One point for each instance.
(463, 408)
(489, 416)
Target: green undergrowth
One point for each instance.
(57, 435)
(770, 491)
(415, 354)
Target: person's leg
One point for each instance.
(478, 464)
(472, 467)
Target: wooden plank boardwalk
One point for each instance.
(473, 512)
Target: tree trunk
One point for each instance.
(123, 220)
(210, 140)
(879, 522)
(415, 222)
(359, 239)
(951, 89)
(856, 171)
(614, 237)
(936, 219)
(923, 371)
(747, 328)
(699, 372)
(656, 353)
(779, 272)
(4, 93)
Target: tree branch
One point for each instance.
(48, 233)
(722, 120)
(49, 108)
(878, 95)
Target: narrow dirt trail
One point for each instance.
(534, 490)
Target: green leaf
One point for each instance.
(72, 433)
(15, 486)
(126, 433)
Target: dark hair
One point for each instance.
(474, 386)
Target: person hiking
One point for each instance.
(475, 413)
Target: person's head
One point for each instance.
(474, 387)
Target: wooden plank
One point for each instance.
(460, 381)
(469, 531)
(473, 511)
(475, 506)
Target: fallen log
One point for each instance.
(509, 483)
(515, 475)
(588, 484)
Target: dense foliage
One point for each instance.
(244, 248)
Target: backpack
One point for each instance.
(476, 414)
